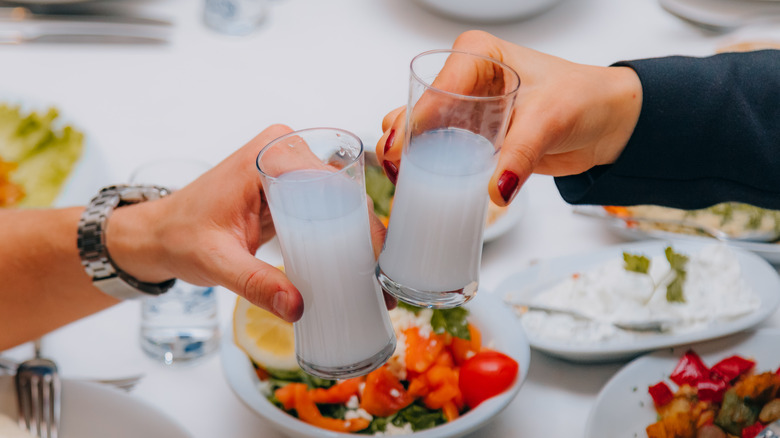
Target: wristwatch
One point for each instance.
(91, 242)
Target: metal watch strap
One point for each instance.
(92, 242)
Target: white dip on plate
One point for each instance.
(714, 290)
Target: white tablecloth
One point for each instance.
(341, 63)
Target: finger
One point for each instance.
(378, 230)
(391, 116)
(519, 156)
(260, 283)
(389, 147)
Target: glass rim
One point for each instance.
(430, 86)
(298, 132)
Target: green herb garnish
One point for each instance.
(452, 321)
(678, 262)
(636, 263)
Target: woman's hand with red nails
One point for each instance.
(567, 118)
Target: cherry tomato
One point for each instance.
(486, 374)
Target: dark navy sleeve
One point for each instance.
(708, 132)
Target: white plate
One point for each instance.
(509, 219)
(626, 393)
(89, 174)
(769, 251)
(90, 410)
(495, 321)
(726, 13)
(758, 274)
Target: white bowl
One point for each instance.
(488, 11)
(494, 319)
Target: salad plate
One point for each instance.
(759, 275)
(626, 392)
(624, 227)
(500, 330)
(91, 410)
(75, 171)
(722, 15)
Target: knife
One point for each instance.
(20, 14)
(39, 36)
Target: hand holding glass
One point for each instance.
(314, 183)
(454, 131)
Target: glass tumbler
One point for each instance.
(455, 125)
(182, 324)
(315, 186)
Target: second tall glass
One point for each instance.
(455, 125)
(315, 186)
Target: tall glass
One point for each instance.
(315, 187)
(455, 126)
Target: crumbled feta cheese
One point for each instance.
(392, 430)
(264, 386)
(397, 362)
(353, 402)
(403, 319)
(352, 414)
(361, 387)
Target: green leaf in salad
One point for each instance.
(452, 321)
(636, 263)
(419, 417)
(409, 307)
(380, 189)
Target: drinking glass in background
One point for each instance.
(315, 186)
(182, 324)
(454, 131)
(234, 17)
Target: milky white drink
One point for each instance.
(434, 240)
(322, 223)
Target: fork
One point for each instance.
(124, 383)
(38, 393)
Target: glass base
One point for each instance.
(172, 346)
(423, 298)
(345, 372)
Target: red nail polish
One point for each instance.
(389, 141)
(391, 171)
(507, 185)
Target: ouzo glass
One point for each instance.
(455, 126)
(315, 186)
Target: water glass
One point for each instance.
(315, 187)
(234, 17)
(182, 324)
(454, 129)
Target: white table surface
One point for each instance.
(341, 63)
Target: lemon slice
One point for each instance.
(267, 339)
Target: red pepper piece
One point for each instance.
(660, 393)
(690, 370)
(711, 390)
(732, 367)
(752, 431)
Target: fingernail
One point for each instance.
(391, 171)
(507, 185)
(389, 141)
(280, 304)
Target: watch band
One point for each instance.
(91, 242)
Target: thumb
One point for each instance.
(260, 283)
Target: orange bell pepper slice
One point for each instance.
(308, 412)
(463, 349)
(338, 393)
(286, 394)
(421, 352)
(384, 394)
